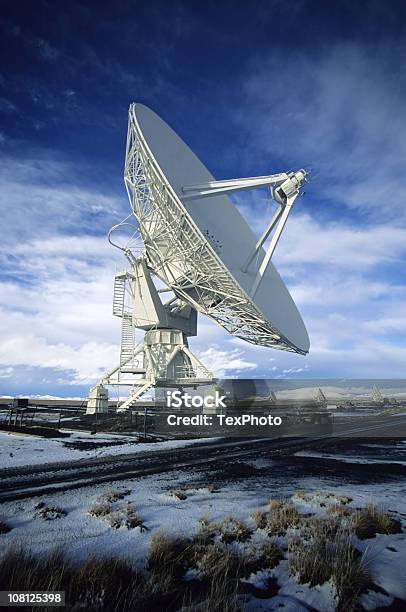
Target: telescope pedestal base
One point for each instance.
(162, 360)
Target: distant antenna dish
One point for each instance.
(202, 250)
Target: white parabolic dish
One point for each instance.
(199, 247)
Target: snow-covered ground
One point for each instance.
(81, 534)
(346, 458)
(20, 450)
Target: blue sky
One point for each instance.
(254, 89)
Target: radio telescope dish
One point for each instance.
(192, 238)
(199, 245)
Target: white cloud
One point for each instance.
(226, 362)
(6, 372)
(340, 111)
(87, 362)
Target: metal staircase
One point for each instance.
(127, 344)
(135, 396)
(119, 293)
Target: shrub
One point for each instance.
(50, 513)
(125, 516)
(107, 581)
(300, 494)
(221, 569)
(233, 529)
(276, 504)
(370, 520)
(282, 516)
(178, 494)
(20, 570)
(114, 495)
(98, 584)
(269, 555)
(196, 486)
(204, 521)
(339, 510)
(260, 518)
(101, 509)
(4, 528)
(168, 559)
(327, 553)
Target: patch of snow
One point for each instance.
(21, 450)
(345, 458)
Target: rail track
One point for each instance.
(32, 481)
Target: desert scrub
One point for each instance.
(198, 486)
(207, 532)
(216, 562)
(269, 555)
(344, 499)
(178, 494)
(276, 504)
(50, 513)
(302, 495)
(282, 516)
(100, 509)
(108, 583)
(327, 553)
(369, 521)
(220, 570)
(339, 509)
(98, 584)
(4, 528)
(168, 560)
(233, 529)
(114, 495)
(20, 570)
(260, 518)
(125, 516)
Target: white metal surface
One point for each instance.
(200, 246)
(98, 400)
(163, 358)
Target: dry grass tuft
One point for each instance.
(260, 518)
(269, 555)
(276, 504)
(301, 494)
(369, 521)
(50, 513)
(214, 560)
(204, 521)
(233, 529)
(282, 516)
(20, 570)
(178, 494)
(108, 584)
(168, 559)
(101, 584)
(126, 516)
(4, 528)
(221, 569)
(198, 486)
(114, 495)
(339, 510)
(327, 553)
(101, 509)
